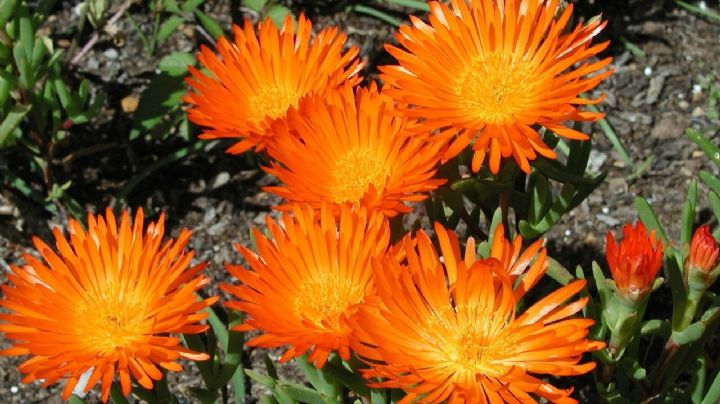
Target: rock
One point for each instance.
(655, 89)
(597, 160)
(220, 180)
(111, 53)
(609, 220)
(129, 104)
(636, 117)
(618, 185)
(670, 126)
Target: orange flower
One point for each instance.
(701, 267)
(352, 149)
(532, 262)
(308, 279)
(634, 261)
(446, 330)
(259, 77)
(704, 250)
(492, 71)
(105, 304)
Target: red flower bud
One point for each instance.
(704, 250)
(635, 261)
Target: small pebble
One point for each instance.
(684, 104)
(609, 220)
(697, 89)
(221, 179)
(111, 53)
(648, 71)
(129, 104)
(605, 210)
(698, 112)
(14, 389)
(568, 233)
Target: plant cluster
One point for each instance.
(476, 131)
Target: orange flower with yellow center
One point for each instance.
(351, 148)
(447, 330)
(106, 302)
(493, 71)
(307, 280)
(259, 77)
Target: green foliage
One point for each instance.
(538, 200)
(169, 15)
(37, 105)
(271, 9)
(630, 375)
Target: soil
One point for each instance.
(651, 99)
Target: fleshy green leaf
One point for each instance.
(304, 394)
(691, 334)
(11, 121)
(168, 27)
(210, 25)
(176, 63)
(190, 5)
(647, 216)
(558, 272)
(277, 14)
(712, 151)
(688, 214)
(7, 9)
(255, 5)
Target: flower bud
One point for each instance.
(700, 263)
(635, 261)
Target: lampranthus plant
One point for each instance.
(447, 330)
(352, 148)
(494, 72)
(106, 301)
(258, 77)
(308, 279)
(635, 261)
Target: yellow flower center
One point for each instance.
(354, 172)
(493, 88)
(110, 321)
(323, 298)
(272, 102)
(476, 342)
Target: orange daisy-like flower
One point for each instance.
(492, 71)
(308, 280)
(447, 330)
(635, 261)
(351, 148)
(105, 303)
(259, 77)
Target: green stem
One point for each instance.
(620, 337)
(690, 307)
